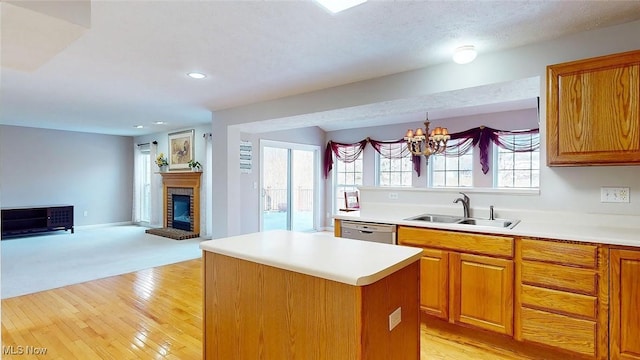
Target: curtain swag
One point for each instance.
(459, 144)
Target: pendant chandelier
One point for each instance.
(427, 143)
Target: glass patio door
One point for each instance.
(288, 181)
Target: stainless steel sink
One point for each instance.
(484, 222)
(436, 218)
(448, 219)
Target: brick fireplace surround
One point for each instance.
(180, 183)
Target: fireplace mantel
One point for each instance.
(182, 179)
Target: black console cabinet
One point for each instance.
(26, 220)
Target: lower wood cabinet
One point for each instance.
(561, 296)
(464, 288)
(482, 292)
(625, 305)
(577, 300)
(434, 283)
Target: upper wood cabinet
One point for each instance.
(593, 111)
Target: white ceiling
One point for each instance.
(126, 64)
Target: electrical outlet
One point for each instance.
(86, 213)
(395, 318)
(614, 194)
(393, 195)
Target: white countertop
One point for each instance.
(562, 229)
(352, 262)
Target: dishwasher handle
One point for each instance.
(369, 228)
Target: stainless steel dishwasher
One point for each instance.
(381, 233)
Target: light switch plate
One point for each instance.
(614, 194)
(393, 195)
(395, 318)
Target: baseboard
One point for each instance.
(93, 226)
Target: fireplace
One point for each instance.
(181, 194)
(181, 213)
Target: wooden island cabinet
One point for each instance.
(287, 295)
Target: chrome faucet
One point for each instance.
(465, 203)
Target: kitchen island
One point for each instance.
(288, 295)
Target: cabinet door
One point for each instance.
(60, 217)
(593, 111)
(434, 283)
(482, 292)
(625, 300)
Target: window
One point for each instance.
(517, 169)
(347, 177)
(394, 172)
(142, 184)
(452, 170)
(145, 203)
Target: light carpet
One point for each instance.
(36, 263)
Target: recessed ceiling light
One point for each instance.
(138, 126)
(464, 54)
(336, 6)
(196, 75)
(159, 122)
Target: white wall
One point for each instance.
(572, 189)
(92, 172)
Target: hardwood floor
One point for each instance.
(155, 314)
(149, 314)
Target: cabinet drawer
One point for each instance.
(559, 301)
(463, 242)
(582, 255)
(560, 277)
(559, 331)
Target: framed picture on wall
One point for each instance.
(181, 149)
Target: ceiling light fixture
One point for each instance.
(335, 6)
(464, 54)
(159, 122)
(196, 75)
(419, 144)
(138, 126)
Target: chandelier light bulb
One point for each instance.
(464, 54)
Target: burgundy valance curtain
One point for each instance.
(483, 136)
(344, 152)
(459, 144)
